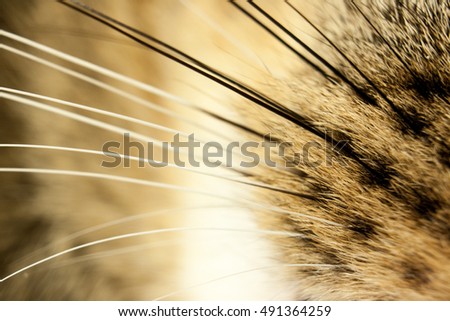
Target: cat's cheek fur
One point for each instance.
(372, 224)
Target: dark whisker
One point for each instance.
(369, 99)
(203, 69)
(395, 52)
(347, 150)
(309, 62)
(335, 71)
(359, 71)
(222, 79)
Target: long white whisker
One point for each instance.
(104, 125)
(93, 122)
(74, 116)
(144, 233)
(124, 220)
(110, 88)
(116, 129)
(129, 249)
(109, 253)
(96, 68)
(91, 80)
(235, 200)
(279, 266)
(89, 121)
(141, 216)
(149, 161)
(109, 73)
(106, 72)
(110, 114)
(96, 110)
(112, 178)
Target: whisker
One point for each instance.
(106, 177)
(121, 130)
(308, 124)
(115, 154)
(200, 68)
(81, 118)
(356, 68)
(279, 266)
(239, 200)
(220, 78)
(330, 42)
(144, 233)
(136, 217)
(100, 84)
(159, 163)
(116, 76)
(296, 52)
(395, 52)
(118, 116)
(335, 71)
(96, 123)
(108, 113)
(101, 70)
(215, 26)
(110, 253)
(134, 248)
(96, 111)
(124, 220)
(104, 85)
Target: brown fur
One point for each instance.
(386, 192)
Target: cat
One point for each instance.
(350, 202)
